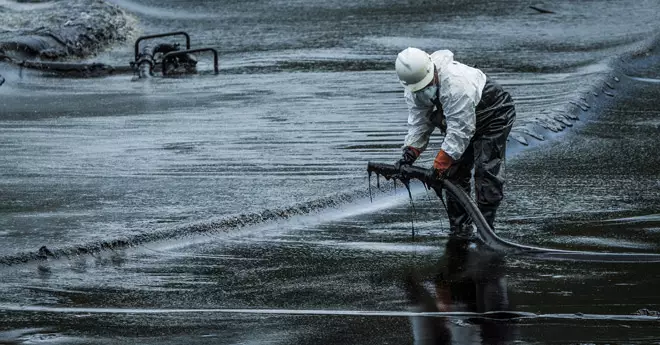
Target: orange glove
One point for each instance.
(442, 161)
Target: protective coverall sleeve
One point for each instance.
(459, 100)
(419, 126)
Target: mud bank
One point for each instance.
(61, 30)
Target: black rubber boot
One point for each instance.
(460, 223)
(465, 232)
(489, 213)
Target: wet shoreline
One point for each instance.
(177, 162)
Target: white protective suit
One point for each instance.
(459, 93)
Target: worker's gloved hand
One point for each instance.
(442, 161)
(408, 157)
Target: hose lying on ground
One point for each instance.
(487, 234)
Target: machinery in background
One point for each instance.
(167, 59)
(162, 59)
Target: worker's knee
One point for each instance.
(489, 189)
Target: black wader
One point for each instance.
(485, 153)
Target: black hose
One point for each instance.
(487, 234)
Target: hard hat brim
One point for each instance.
(419, 85)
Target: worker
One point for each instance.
(475, 115)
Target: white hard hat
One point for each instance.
(414, 68)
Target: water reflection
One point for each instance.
(469, 278)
